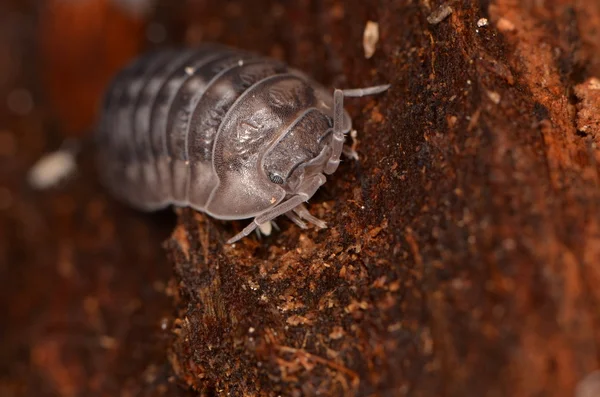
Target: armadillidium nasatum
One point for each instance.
(227, 132)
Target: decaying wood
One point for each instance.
(463, 253)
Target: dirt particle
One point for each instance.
(451, 120)
(336, 333)
(370, 38)
(376, 115)
(482, 22)
(504, 25)
(298, 320)
(164, 324)
(588, 108)
(443, 12)
(52, 169)
(180, 235)
(494, 96)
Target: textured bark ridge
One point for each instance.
(462, 256)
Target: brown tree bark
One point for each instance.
(462, 256)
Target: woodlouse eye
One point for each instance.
(275, 178)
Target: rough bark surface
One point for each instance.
(462, 256)
(463, 253)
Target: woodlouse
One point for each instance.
(227, 132)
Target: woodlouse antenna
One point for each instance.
(338, 120)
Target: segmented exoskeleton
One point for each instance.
(227, 132)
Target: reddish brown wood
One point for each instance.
(463, 254)
(82, 45)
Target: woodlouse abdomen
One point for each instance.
(224, 131)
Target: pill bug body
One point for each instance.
(227, 132)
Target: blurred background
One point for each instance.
(85, 300)
(464, 165)
(72, 291)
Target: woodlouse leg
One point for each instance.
(296, 219)
(304, 193)
(337, 143)
(307, 216)
(270, 214)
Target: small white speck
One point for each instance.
(189, 70)
(370, 38)
(251, 330)
(51, 169)
(164, 323)
(266, 228)
(362, 207)
(241, 62)
(494, 97)
(482, 22)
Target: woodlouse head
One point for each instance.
(301, 152)
(275, 150)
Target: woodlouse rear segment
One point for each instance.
(226, 132)
(147, 147)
